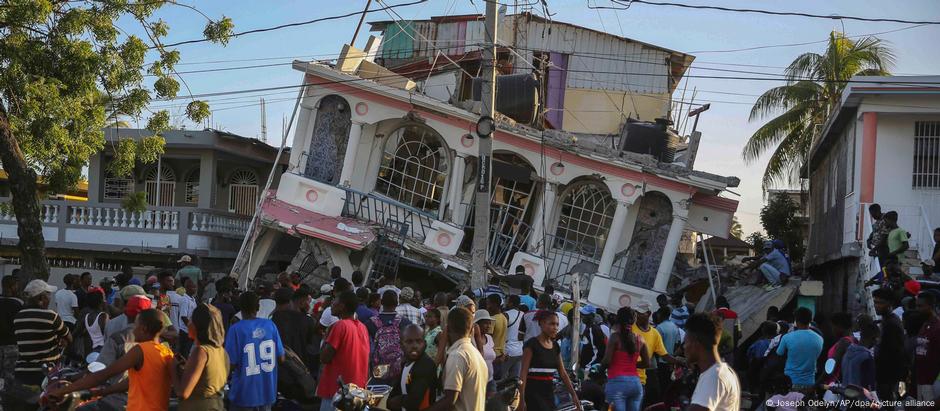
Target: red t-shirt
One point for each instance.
(351, 341)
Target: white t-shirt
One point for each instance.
(267, 307)
(405, 373)
(513, 345)
(532, 328)
(65, 301)
(327, 318)
(181, 306)
(718, 388)
(389, 287)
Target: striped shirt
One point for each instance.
(37, 338)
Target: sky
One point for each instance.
(705, 34)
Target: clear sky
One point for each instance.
(701, 33)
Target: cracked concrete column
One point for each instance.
(455, 191)
(352, 148)
(544, 212)
(613, 237)
(680, 214)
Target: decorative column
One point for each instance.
(455, 193)
(96, 176)
(680, 214)
(207, 183)
(613, 238)
(352, 148)
(544, 212)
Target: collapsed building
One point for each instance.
(589, 177)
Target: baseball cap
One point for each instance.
(152, 279)
(136, 304)
(406, 294)
(588, 309)
(481, 315)
(464, 301)
(912, 287)
(37, 287)
(642, 307)
(326, 289)
(185, 259)
(131, 290)
(134, 281)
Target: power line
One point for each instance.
(777, 13)
(301, 23)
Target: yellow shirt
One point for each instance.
(654, 345)
(499, 333)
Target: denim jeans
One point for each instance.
(624, 393)
(770, 273)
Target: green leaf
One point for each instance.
(159, 122)
(219, 31)
(197, 111)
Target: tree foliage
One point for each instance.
(737, 231)
(814, 87)
(67, 70)
(756, 241)
(781, 222)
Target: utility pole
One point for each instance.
(481, 221)
(359, 26)
(264, 123)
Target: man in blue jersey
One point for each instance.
(254, 348)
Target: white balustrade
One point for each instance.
(221, 224)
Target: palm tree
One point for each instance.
(814, 87)
(736, 230)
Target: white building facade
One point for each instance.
(881, 145)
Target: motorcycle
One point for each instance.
(351, 397)
(848, 397)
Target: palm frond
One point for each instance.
(803, 67)
(784, 164)
(784, 97)
(775, 130)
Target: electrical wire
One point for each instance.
(627, 3)
(296, 24)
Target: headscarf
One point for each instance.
(208, 323)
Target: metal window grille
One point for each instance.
(414, 168)
(586, 215)
(926, 173)
(167, 187)
(192, 187)
(243, 192)
(117, 188)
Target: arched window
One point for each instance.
(414, 168)
(639, 264)
(587, 211)
(243, 192)
(192, 187)
(167, 186)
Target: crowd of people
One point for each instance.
(178, 338)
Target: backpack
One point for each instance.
(386, 346)
(294, 380)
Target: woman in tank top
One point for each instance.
(625, 353)
(148, 366)
(95, 319)
(206, 370)
(541, 359)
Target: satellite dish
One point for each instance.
(830, 366)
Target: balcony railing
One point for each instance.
(508, 233)
(112, 225)
(219, 223)
(115, 216)
(381, 210)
